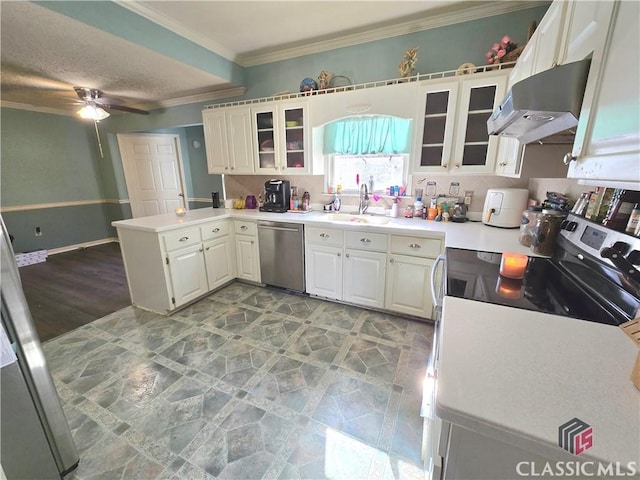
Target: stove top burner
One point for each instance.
(547, 287)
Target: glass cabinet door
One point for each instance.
(475, 150)
(294, 133)
(437, 113)
(266, 139)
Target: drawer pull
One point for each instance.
(346, 255)
(201, 250)
(339, 254)
(215, 230)
(365, 240)
(183, 239)
(207, 249)
(243, 227)
(324, 235)
(392, 261)
(414, 245)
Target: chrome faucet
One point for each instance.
(364, 199)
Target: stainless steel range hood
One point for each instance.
(542, 106)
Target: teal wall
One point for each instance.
(52, 158)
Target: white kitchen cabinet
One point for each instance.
(452, 123)
(585, 29)
(607, 143)
(219, 256)
(227, 133)
(281, 138)
(408, 283)
(364, 277)
(247, 252)
(323, 270)
(547, 38)
(187, 274)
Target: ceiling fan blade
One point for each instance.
(121, 108)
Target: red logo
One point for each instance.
(575, 436)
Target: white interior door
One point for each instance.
(153, 172)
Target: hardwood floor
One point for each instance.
(74, 288)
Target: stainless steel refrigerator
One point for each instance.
(35, 440)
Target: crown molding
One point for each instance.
(176, 27)
(470, 12)
(203, 97)
(33, 108)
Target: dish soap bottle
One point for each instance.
(336, 203)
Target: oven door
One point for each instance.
(432, 424)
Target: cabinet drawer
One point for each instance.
(244, 228)
(416, 246)
(375, 242)
(214, 230)
(324, 236)
(181, 238)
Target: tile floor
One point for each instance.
(248, 383)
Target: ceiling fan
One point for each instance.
(96, 107)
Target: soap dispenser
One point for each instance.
(336, 203)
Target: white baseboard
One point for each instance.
(77, 246)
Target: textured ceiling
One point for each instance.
(45, 53)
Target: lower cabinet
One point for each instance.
(408, 285)
(364, 277)
(188, 274)
(247, 253)
(219, 258)
(323, 270)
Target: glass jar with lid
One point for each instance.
(545, 232)
(529, 218)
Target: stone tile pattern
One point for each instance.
(247, 383)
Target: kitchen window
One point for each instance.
(373, 147)
(383, 170)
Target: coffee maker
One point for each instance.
(277, 194)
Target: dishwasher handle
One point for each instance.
(284, 229)
(437, 301)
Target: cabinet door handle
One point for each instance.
(365, 240)
(215, 230)
(324, 235)
(414, 245)
(183, 239)
(251, 242)
(232, 168)
(339, 254)
(243, 227)
(346, 255)
(457, 165)
(201, 250)
(226, 168)
(391, 260)
(207, 248)
(568, 158)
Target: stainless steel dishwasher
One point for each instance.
(281, 254)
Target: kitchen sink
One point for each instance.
(352, 218)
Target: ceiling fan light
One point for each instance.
(91, 112)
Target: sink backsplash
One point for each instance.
(243, 185)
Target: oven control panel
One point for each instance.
(609, 246)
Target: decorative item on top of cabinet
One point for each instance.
(324, 79)
(408, 64)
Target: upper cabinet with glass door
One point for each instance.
(452, 123)
(282, 138)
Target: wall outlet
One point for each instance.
(37, 231)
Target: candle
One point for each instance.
(181, 211)
(509, 288)
(513, 265)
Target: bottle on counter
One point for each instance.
(417, 207)
(337, 203)
(634, 220)
(446, 216)
(306, 200)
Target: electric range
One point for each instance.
(592, 276)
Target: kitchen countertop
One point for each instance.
(517, 375)
(470, 235)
